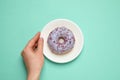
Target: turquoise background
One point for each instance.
(98, 19)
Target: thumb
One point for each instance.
(40, 46)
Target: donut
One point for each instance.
(61, 40)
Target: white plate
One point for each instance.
(79, 40)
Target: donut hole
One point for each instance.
(61, 40)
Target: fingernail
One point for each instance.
(41, 37)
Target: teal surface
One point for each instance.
(98, 19)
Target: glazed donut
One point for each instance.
(61, 40)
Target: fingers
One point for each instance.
(40, 46)
(33, 40)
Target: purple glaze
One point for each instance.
(55, 45)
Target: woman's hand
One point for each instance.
(33, 57)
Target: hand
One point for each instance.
(33, 57)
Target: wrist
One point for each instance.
(33, 76)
